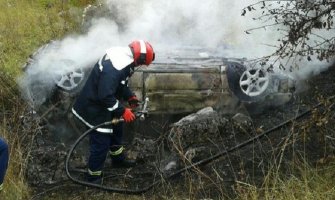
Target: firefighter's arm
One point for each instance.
(129, 96)
(107, 86)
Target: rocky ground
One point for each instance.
(224, 149)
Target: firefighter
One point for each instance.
(3, 161)
(101, 100)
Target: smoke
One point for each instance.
(213, 25)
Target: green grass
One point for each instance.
(24, 26)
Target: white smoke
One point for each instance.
(213, 24)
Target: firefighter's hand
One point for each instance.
(128, 115)
(133, 102)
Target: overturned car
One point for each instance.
(174, 84)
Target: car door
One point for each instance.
(182, 88)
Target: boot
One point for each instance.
(94, 179)
(120, 160)
(124, 163)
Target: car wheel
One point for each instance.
(70, 82)
(248, 84)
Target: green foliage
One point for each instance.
(78, 3)
(25, 25)
(81, 2)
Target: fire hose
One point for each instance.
(139, 115)
(192, 165)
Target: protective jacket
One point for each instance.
(106, 87)
(4, 157)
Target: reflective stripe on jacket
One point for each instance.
(100, 99)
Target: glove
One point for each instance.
(128, 115)
(133, 102)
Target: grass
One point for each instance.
(25, 25)
(306, 183)
(15, 186)
(302, 179)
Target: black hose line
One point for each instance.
(199, 163)
(118, 190)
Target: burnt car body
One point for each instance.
(186, 85)
(174, 84)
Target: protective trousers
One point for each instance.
(3, 161)
(101, 144)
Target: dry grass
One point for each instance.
(306, 183)
(24, 26)
(312, 179)
(15, 186)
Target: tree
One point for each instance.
(307, 28)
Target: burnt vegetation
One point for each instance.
(295, 160)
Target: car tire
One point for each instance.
(238, 76)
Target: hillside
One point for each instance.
(284, 152)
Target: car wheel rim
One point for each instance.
(254, 82)
(71, 80)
